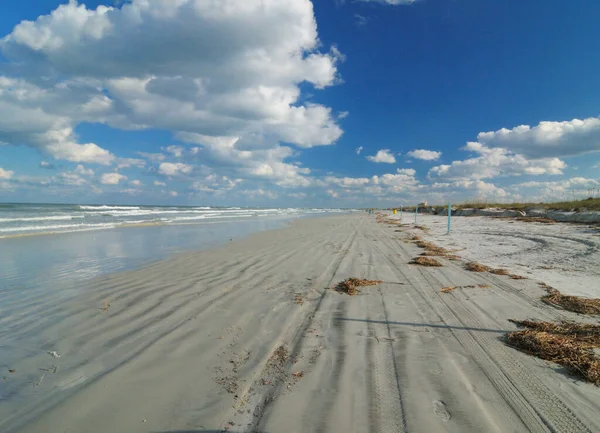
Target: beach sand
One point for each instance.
(249, 337)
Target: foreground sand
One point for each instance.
(193, 344)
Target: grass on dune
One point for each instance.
(589, 204)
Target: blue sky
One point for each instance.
(295, 103)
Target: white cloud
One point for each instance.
(176, 151)
(154, 157)
(383, 155)
(215, 184)
(231, 156)
(361, 20)
(332, 193)
(80, 169)
(346, 182)
(358, 150)
(173, 193)
(40, 117)
(75, 152)
(547, 139)
(71, 179)
(104, 65)
(136, 183)
(425, 155)
(47, 165)
(112, 178)
(297, 195)
(159, 183)
(130, 162)
(6, 174)
(495, 162)
(174, 168)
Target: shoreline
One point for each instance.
(162, 224)
(248, 336)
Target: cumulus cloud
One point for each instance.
(174, 168)
(215, 184)
(402, 183)
(80, 169)
(159, 183)
(39, 117)
(153, 157)
(112, 178)
(425, 155)
(233, 157)
(47, 165)
(70, 179)
(547, 139)
(136, 183)
(6, 174)
(176, 151)
(494, 162)
(130, 162)
(383, 156)
(358, 150)
(104, 65)
(346, 182)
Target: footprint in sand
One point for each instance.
(439, 408)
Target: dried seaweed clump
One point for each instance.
(425, 261)
(536, 220)
(576, 304)
(448, 289)
(349, 285)
(499, 272)
(476, 267)
(568, 344)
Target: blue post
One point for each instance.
(449, 216)
(400, 213)
(416, 213)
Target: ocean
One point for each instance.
(31, 219)
(51, 250)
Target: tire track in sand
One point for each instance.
(259, 404)
(537, 406)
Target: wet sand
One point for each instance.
(249, 337)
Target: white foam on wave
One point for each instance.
(105, 207)
(211, 216)
(50, 228)
(143, 212)
(44, 218)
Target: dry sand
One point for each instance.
(248, 338)
(563, 255)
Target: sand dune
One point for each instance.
(249, 338)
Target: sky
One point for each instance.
(331, 103)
